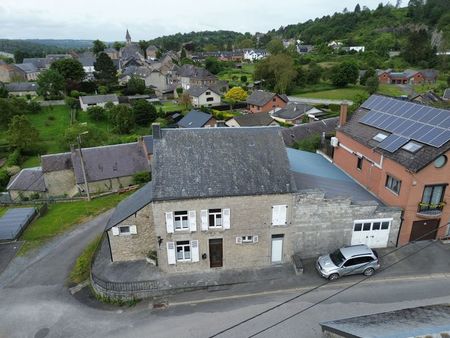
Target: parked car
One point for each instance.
(349, 260)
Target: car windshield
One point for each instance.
(337, 257)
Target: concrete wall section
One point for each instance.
(60, 183)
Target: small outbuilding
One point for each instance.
(14, 222)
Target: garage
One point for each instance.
(424, 230)
(372, 232)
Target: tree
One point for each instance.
(357, 8)
(34, 107)
(143, 45)
(183, 54)
(345, 73)
(98, 47)
(19, 55)
(244, 78)
(105, 71)
(22, 135)
(275, 46)
(185, 100)
(122, 119)
(93, 137)
(369, 73)
(96, 113)
(372, 84)
(245, 43)
(144, 112)
(314, 74)
(236, 94)
(51, 84)
(3, 92)
(135, 86)
(70, 69)
(418, 48)
(213, 65)
(278, 72)
(117, 45)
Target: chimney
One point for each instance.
(220, 123)
(156, 131)
(343, 113)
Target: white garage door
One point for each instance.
(372, 232)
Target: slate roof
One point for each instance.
(261, 97)
(192, 71)
(56, 162)
(39, 63)
(293, 110)
(30, 179)
(22, 87)
(254, 120)
(364, 134)
(148, 141)
(423, 321)
(87, 59)
(217, 162)
(111, 161)
(302, 131)
(446, 95)
(94, 99)
(194, 119)
(27, 67)
(313, 171)
(131, 205)
(196, 91)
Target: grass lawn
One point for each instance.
(171, 106)
(349, 93)
(390, 89)
(82, 267)
(2, 210)
(62, 216)
(233, 75)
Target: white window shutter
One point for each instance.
(226, 218)
(169, 222)
(279, 215)
(192, 220)
(204, 217)
(255, 239)
(171, 260)
(133, 229)
(195, 251)
(238, 240)
(115, 231)
(283, 214)
(275, 215)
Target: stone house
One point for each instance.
(29, 71)
(260, 101)
(10, 73)
(22, 88)
(97, 100)
(189, 76)
(226, 198)
(399, 150)
(28, 183)
(255, 54)
(204, 96)
(151, 52)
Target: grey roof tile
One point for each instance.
(94, 99)
(22, 86)
(196, 91)
(213, 162)
(254, 120)
(26, 67)
(29, 179)
(194, 119)
(300, 132)
(261, 97)
(293, 110)
(56, 162)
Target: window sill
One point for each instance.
(392, 191)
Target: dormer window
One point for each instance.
(412, 147)
(379, 137)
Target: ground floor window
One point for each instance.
(183, 251)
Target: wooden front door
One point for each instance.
(215, 253)
(424, 230)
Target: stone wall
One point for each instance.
(110, 184)
(134, 247)
(60, 183)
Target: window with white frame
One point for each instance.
(183, 251)
(124, 230)
(215, 218)
(247, 239)
(181, 220)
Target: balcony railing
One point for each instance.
(430, 209)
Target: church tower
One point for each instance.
(128, 38)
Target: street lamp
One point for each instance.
(82, 165)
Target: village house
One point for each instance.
(399, 151)
(22, 88)
(204, 96)
(97, 101)
(252, 120)
(255, 54)
(190, 75)
(240, 200)
(10, 73)
(197, 119)
(260, 101)
(294, 112)
(151, 52)
(407, 77)
(29, 71)
(28, 183)
(87, 59)
(305, 49)
(112, 53)
(40, 63)
(306, 130)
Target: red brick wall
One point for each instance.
(269, 106)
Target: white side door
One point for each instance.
(358, 235)
(379, 235)
(277, 249)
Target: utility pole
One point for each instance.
(82, 166)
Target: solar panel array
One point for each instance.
(407, 121)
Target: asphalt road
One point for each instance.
(35, 302)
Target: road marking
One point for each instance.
(77, 288)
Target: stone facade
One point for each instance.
(60, 183)
(111, 184)
(134, 247)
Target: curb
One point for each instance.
(306, 288)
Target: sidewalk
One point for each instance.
(413, 261)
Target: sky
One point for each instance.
(146, 19)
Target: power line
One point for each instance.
(323, 284)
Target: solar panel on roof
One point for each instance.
(409, 120)
(393, 143)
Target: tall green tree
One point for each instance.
(51, 84)
(275, 46)
(345, 73)
(117, 45)
(135, 86)
(22, 135)
(418, 48)
(372, 84)
(98, 47)
(144, 112)
(122, 119)
(105, 71)
(278, 72)
(70, 69)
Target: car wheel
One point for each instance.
(369, 272)
(333, 276)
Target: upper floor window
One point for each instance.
(433, 196)
(208, 93)
(181, 220)
(215, 218)
(393, 184)
(359, 163)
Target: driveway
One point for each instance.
(7, 253)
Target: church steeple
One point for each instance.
(128, 37)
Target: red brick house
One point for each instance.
(261, 101)
(399, 151)
(407, 77)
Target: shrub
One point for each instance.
(311, 143)
(4, 179)
(14, 158)
(96, 113)
(51, 118)
(142, 177)
(34, 108)
(75, 94)
(244, 78)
